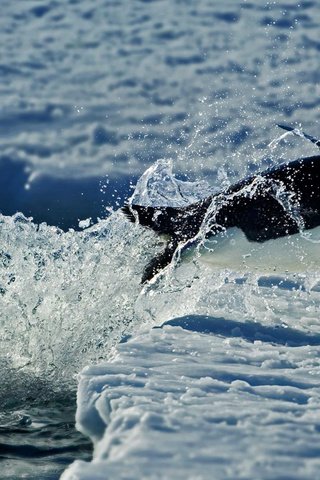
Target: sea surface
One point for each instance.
(92, 95)
(40, 441)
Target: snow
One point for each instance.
(200, 398)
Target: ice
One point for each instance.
(239, 401)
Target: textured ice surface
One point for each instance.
(202, 398)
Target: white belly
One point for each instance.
(295, 253)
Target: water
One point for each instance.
(91, 96)
(40, 442)
(60, 309)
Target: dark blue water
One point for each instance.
(59, 201)
(40, 442)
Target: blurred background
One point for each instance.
(93, 92)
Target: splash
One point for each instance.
(235, 288)
(159, 186)
(66, 298)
